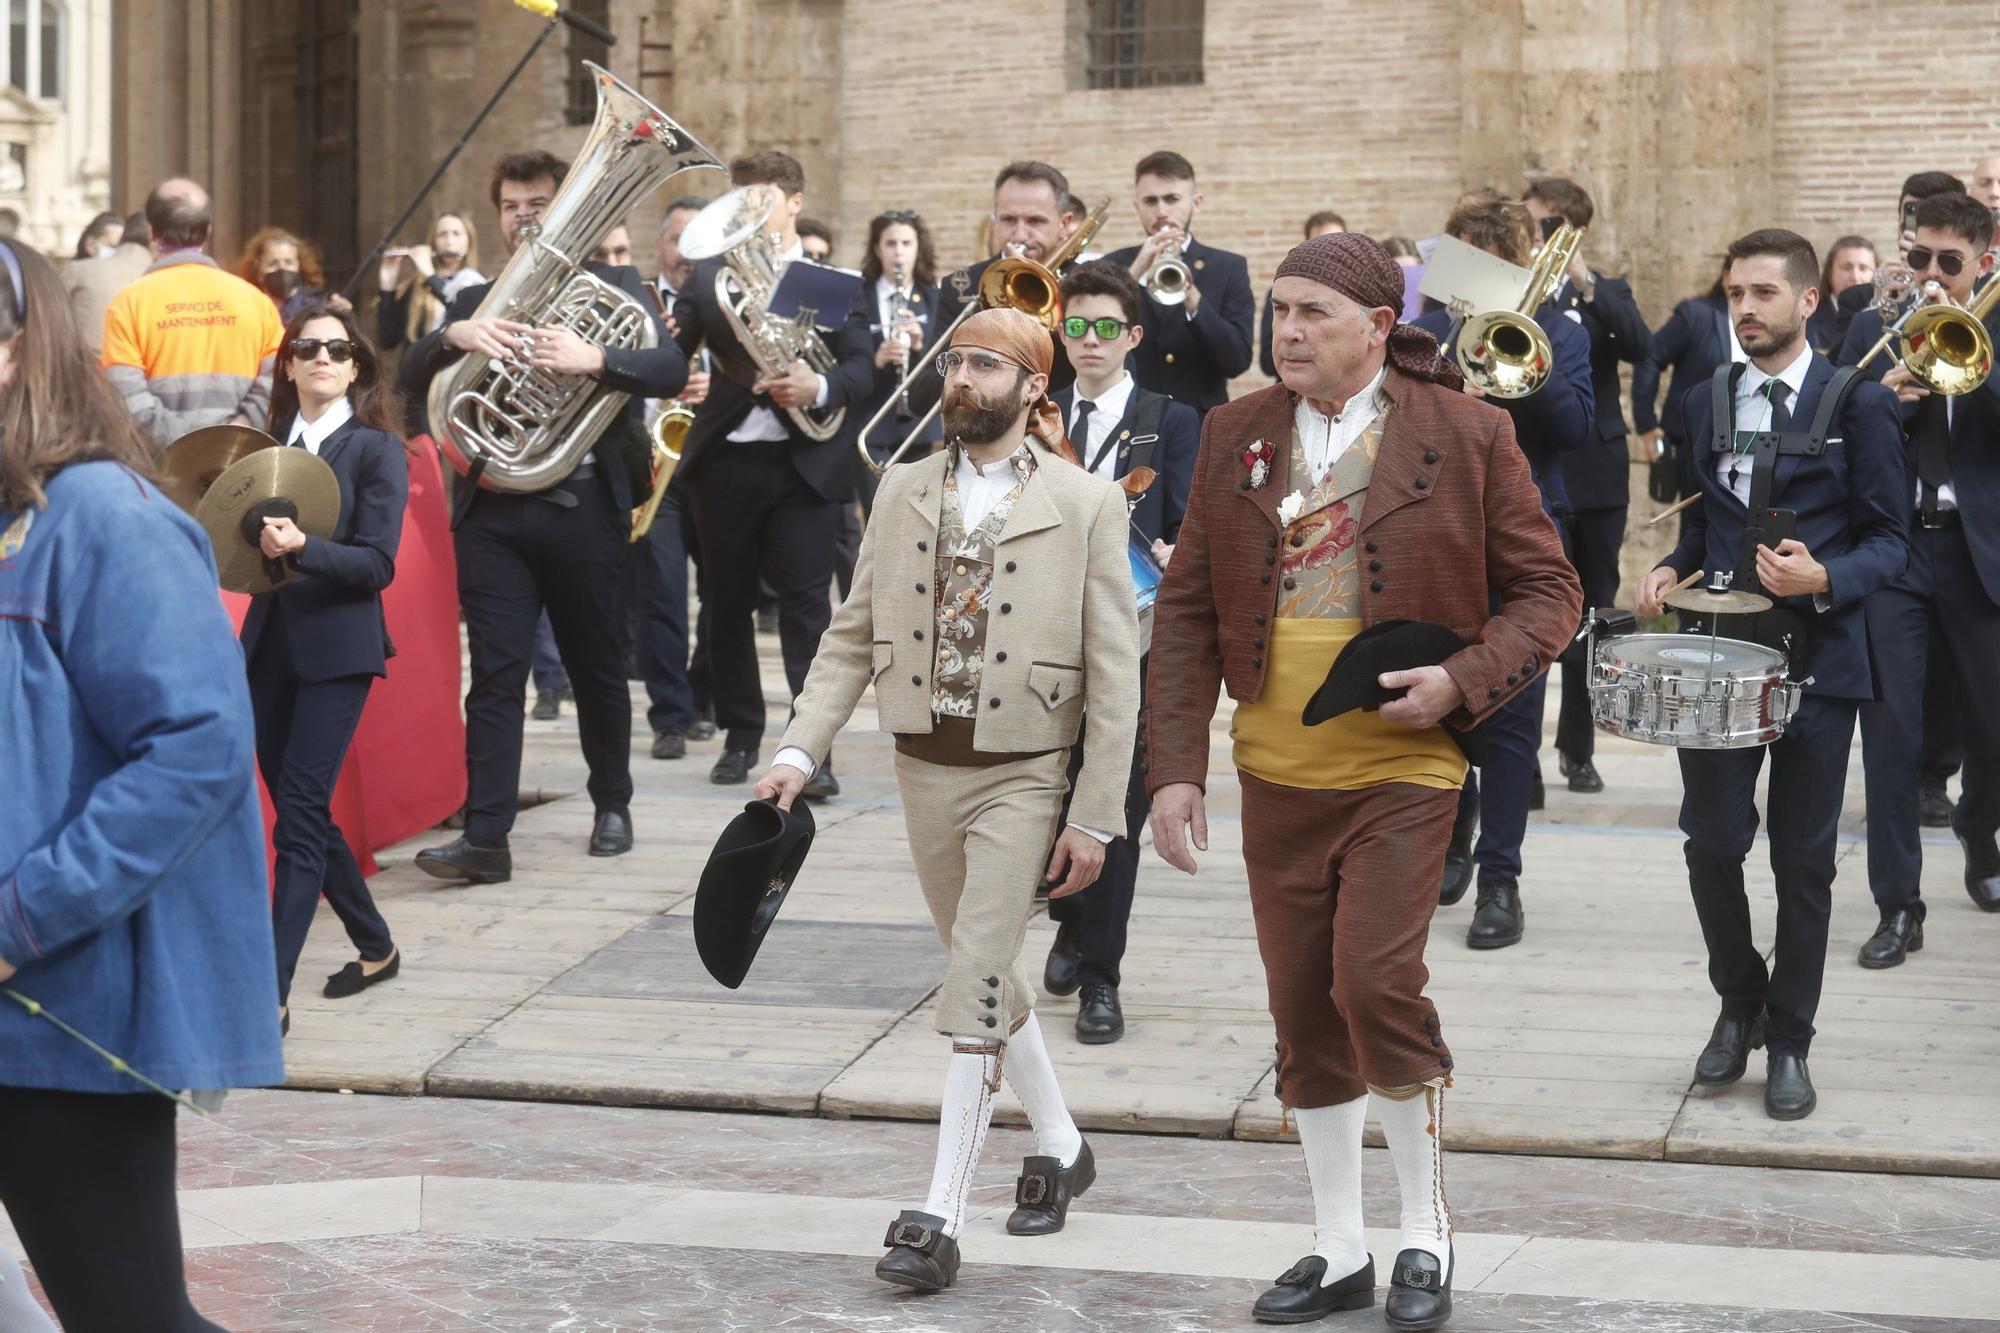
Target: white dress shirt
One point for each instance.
(1106, 411)
(313, 434)
(1324, 438)
(1753, 413)
(764, 423)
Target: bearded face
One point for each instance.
(981, 414)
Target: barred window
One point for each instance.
(580, 108)
(1142, 43)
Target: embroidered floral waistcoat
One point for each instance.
(1321, 564)
(964, 586)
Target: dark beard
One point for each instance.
(970, 419)
(1774, 337)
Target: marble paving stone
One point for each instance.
(310, 1211)
(292, 1289)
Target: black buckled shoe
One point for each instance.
(670, 745)
(353, 978)
(459, 859)
(1059, 973)
(822, 784)
(1043, 1192)
(1934, 808)
(1727, 1054)
(1982, 870)
(611, 833)
(732, 768)
(1298, 1297)
(1788, 1089)
(921, 1257)
(1899, 935)
(1100, 1019)
(1582, 774)
(1458, 867)
(1417, 1297)
(1497, 919)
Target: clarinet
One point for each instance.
(899, 312)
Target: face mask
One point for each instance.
(281, 284)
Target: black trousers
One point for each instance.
(659, 597)
(1944, 746)
(1719, 817)
(1939, 603)
(519, 555)
(304, 729)
(757, 520)
(88, 1182)
(1595, 536)
(1103, 911)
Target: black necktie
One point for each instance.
(1781, 416)
(1081, 430)
(1932, 435)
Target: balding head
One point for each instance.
(178, 214)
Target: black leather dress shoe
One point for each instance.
(670, 745)
(1497, 918)
(1298, 1297)
(822, 784)
(732, 768)
(548, 705)
(1458, 867)
(1899, 934)
(1934, 808)
(611, 833)
(1727, 1054)
(352, 979)
(1419, 1291)
(1059, 973)
(1982, 871)
(1537, 794)
(704, 726)
(1582, 774)
(920, 1255)
(1788, 1089)
(1043, 1192)
(459, 859)
(1099, 1018)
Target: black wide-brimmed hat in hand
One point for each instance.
(1389, 645)
(744, 883)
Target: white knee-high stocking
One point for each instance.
(1331, 1137)
(969, 1084)
(1033, 1079)
(1412, 1121)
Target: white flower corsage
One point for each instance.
(1258, 459)
(1289, 507)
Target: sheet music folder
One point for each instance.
(826, 291)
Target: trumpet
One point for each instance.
(1017, 282)
(1504, 352)
(900, 306)
(1167, 280)
(1944, 345)
(665, 431)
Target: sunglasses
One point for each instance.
(1107, 328)
(907, 216)
(308, 349)
(1949, 262)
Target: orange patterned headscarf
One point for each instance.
(1023, 340)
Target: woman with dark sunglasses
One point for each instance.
(315, 644)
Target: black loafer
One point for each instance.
(352, 980)
(921, 1257)
(1059, 973)
(548, 705)
(1934, 808)
(459, 859)
(822, 784)
(670, 745)
(1497, 920)
(1582, 774)
(1458, 867)
(1899, 935)
(1100, 1020)
(1298, 1297)
(1982, 871)
(1788, 1089)
(1417, 1298)
(1727, 1054)
(732, 768)
(611, 833)
(1044, 1190)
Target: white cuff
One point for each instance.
(797, 758)
(819, 399)
(1095, 833)
(1822, 602)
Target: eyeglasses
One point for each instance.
(308, 349)
(980, 364)
(1107, 328)
(1949, 262)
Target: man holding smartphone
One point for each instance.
(1765, 455)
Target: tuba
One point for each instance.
(1944, 345)
(515, 428)
(1504, 352)
(733, 227)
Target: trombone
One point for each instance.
(1504, 352)
(1016, 282)
(1944, 345)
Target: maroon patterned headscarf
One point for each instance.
(1361, 270)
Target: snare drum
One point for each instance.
(1690, 691)
(1146, 576)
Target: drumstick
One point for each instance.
(1673, 509)
(1687, 582)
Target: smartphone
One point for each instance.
(1909, 217)
(1550, 226)
(1767, 527)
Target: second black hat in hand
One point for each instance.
(1388, 645)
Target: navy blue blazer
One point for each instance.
(1974, 450)
(1692, 343)
(1558, 417)
(1599, 475)
(331, 611)
(866, 318)
(1160, 510)
(1193, 360)
(1853, 515)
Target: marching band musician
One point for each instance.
(315, 644)
(766, 497)
(1191, 351)
(1949, 596)
(1362, 489)
(1548, 424)
(993, 611)
(1844, 492)
(562, 549)
(898, 244)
